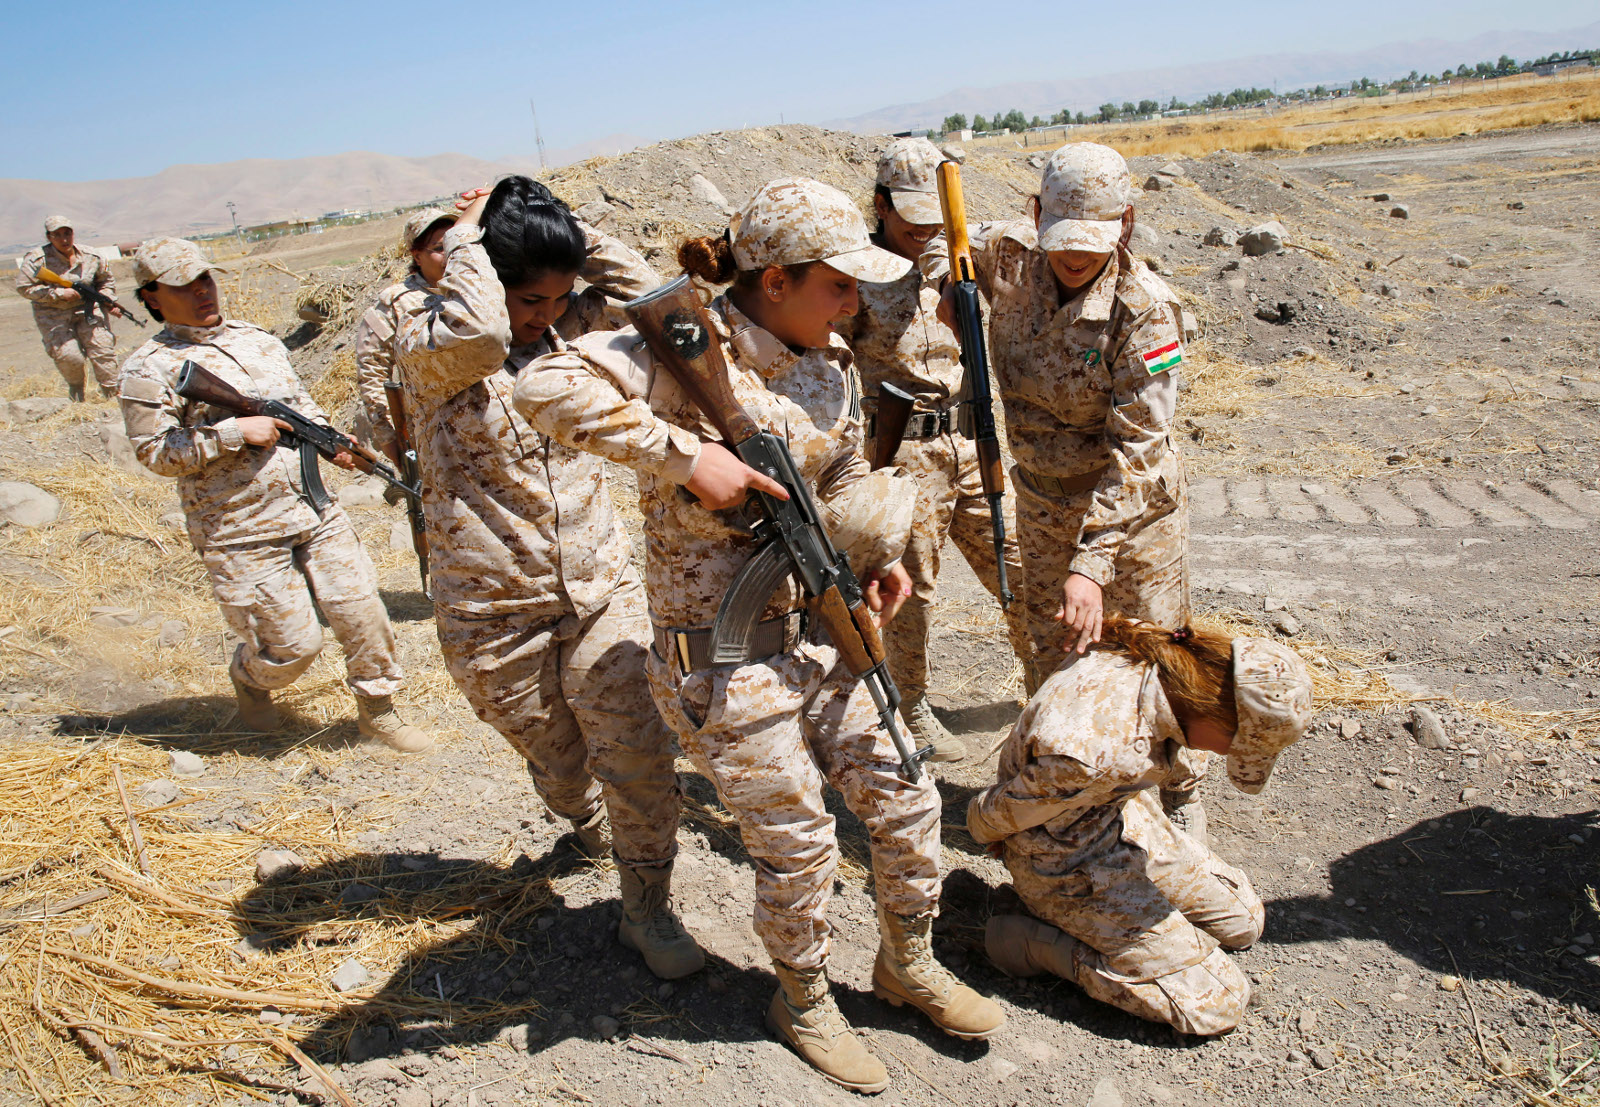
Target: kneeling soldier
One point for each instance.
(1134, 910)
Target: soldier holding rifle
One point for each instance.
(1086, 344)
(276, 551)
(75, 336)
(774, 712)
(898, 340)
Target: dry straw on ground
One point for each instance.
(118, 985)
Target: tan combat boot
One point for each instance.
(804, 1014)
(256, 709)
(1023, 946)
(906, 972)
(593, 834)
(649, 926)
(75, 393)
(927, 730)
(377, 718)
(1185, 811)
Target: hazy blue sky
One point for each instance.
(104, 89)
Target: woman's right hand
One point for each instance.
(947, 306)
(471, 206)
(722, 481)
(261, 430)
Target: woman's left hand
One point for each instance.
(344, 460)
(471, 206)
(886, 591)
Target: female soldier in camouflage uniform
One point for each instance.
(423, 238)
(897, 340)
(541, 615)
(769, 732)
(1136, 912)
(1086, 343)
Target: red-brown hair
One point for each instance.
(1195, 665)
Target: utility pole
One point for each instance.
(232, 210)
(538, 137)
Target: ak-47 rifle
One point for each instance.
(975, 417)
(89, 294)
(889, 423)
(793, 541)
(195, 382)
(410, 474)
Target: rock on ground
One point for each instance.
(1400, 211)
(158, 793)
(27, 505)
(1428, 730)
(34, 408)
(1221, 236)
(349, 976)
(1456, 261)
(184, 763)
(273, 863)
(364, 493)
(1262, 239)
(706, 192)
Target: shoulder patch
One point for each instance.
(1162, 358)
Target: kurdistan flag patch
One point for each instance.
(1167, 357)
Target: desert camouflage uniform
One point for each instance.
(541, 614)
(1091, 853)
(375, 350)
(897, 338)
(1101, 433)
(74, 335)
(768, 733)
(274, 563)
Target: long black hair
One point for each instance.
(527, 232)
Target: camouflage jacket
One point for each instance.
(1067, 413)
(51, 302)
(1097, 732)
(375, 349)
(517, 523)
(231, 492)
(896, 337)
(607, 395)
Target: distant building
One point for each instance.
(964, 135)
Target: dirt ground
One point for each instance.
(1393, 466)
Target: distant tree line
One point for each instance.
(1015, 121)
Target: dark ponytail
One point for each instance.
(528, 232)
(707, 259)
(710, 261)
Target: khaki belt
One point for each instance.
(691, 649)
(922, 424)
(1046, 485)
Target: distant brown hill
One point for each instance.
(192, 199)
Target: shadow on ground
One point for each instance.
(1479, 893)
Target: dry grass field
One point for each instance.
(1470, 109)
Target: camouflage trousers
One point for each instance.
(75, 341)
(271, 591)
(769, 735)
(950, 504)
(1151, 582)
(1154, 911)
(570, 695)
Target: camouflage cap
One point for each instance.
(1082, 197)
(1272, 691)
(795, 220)
(173, 261)
(54, 223)
(419, 221)
(909, 169)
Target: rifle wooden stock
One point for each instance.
(698, 365)
(199, 383)
(890, 417)
(89, 294)
(954, 203)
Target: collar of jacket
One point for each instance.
(1157, 710)
(197, 335)
(760, 349)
